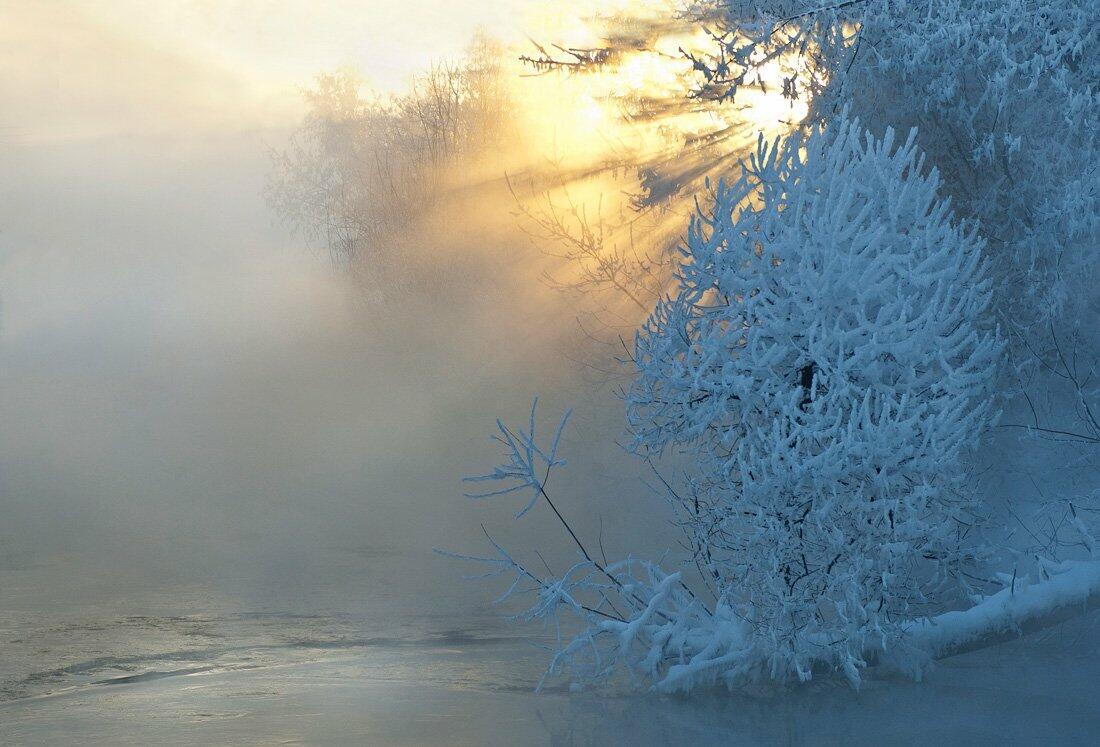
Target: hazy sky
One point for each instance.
(293, 39)
(86, 67)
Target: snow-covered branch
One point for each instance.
(635, 618)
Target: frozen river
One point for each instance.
(188, 665)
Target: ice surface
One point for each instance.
(1037, 691)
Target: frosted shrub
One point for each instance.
(826, 366)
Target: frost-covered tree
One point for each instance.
(826, 362)
(1004, 93)
(364, 168)
(825, 367)
(829, 357)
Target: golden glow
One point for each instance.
(632, 114)
(636, 104)
(187, 66)
(259, 53)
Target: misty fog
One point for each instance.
(197, 398)
(215, 440)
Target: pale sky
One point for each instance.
(291, 39)
(90, 68)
